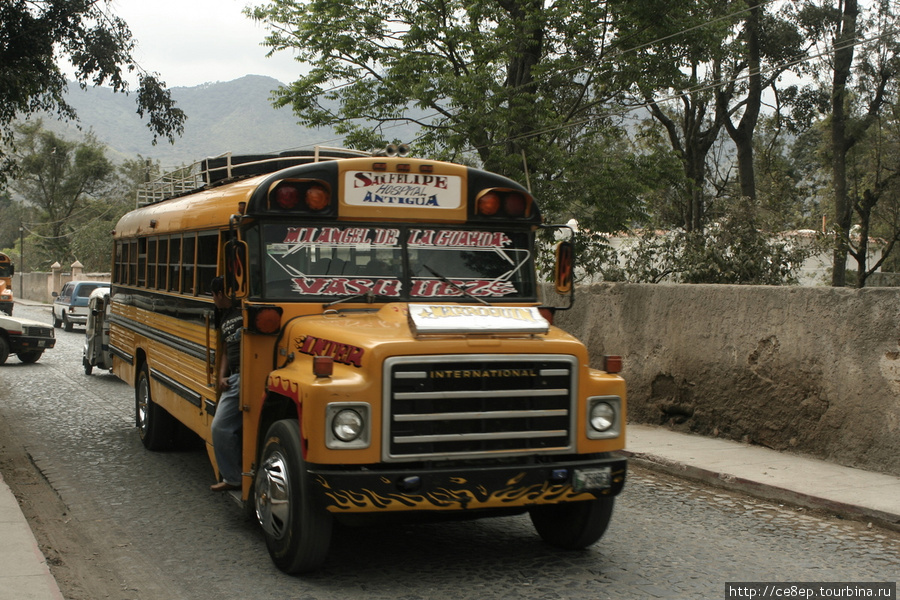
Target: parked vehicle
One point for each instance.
(70, 306)
(96, 332)
(25, 338)
(6, 295)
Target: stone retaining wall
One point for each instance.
(813, 370)
(39, 287)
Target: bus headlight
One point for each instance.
(604, 417)
(347, 425)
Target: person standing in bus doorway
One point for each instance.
(227, 422)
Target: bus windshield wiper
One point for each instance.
(461, 290)
(369, 295)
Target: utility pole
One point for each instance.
(22, 249)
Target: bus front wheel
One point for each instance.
(155, 426)
(297, 532)
(573, 525)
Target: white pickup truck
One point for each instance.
(25, 338)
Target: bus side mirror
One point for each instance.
(236, 269)
(563, 271)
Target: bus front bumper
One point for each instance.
(498, 486)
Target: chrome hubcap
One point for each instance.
(273, 496)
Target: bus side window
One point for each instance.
(207, 258)
(174, 263)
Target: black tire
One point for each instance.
(56, 322)
(573, 525)
(88, 367)
(155, 426)
(30, 356)
(298, 533)
(67, 324)
(4, 350)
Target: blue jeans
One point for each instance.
(226, 432)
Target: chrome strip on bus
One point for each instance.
(192, 349)
(128, 358)
(180, 389)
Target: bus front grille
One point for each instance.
(472, 406)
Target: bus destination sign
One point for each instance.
(402, 190)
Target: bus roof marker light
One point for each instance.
(489, 204)
(317, 197)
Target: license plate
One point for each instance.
(41, 343)
(592, 479)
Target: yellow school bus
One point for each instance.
(395, 356)
(6, 294)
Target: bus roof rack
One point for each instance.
(226, 167)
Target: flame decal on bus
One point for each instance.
(473, 497)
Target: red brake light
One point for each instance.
(287, 197)
(514, 204)
(489, 204)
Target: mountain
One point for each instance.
(235, 116)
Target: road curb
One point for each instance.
(761, 490)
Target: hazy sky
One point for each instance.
(189, 42)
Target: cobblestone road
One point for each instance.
(171, 538)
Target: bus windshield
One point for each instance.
(397, 263)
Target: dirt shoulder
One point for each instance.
(83, 568)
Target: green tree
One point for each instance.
(36, 34)
(479, 77)
(519, 87)
(859, 78)
(62, 180)
(672, 66)
(734, 250)
(764, 47)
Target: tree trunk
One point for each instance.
(843, 59)
(742, 135)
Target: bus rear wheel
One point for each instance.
(297, 532)
(573, 525)
(155, 426)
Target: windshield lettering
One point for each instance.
(344, 286)
(336, 235)
(470, 239)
